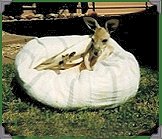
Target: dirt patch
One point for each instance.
(11, 45)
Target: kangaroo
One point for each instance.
(99, 48)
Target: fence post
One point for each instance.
(93, 4)
(146, 4)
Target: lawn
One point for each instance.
(23, 116)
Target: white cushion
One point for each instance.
(112, 81)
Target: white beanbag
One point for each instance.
(111, 83)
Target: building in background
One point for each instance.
(101, 8)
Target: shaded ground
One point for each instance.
(11, 44)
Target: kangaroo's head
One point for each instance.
(101, 35)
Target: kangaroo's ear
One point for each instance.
(91, 23)
(111, 25)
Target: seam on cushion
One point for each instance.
(71, 95)
(110, 64)
(34, 80)
(114, 80)
(114, 84)
(41, 43)
(90, 88)
(63, 42)
(30, 54)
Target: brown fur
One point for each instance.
(98, 50)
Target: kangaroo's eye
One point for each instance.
(105, 40)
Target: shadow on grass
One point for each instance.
(154, 130)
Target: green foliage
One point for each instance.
(23, 116)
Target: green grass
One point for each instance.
(23, 116)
